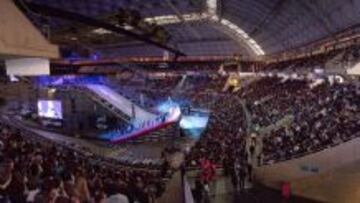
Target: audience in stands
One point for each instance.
(323, 116)
(34, 170)
(293, 116)
(302, 116)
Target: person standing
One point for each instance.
(233, 175)
(242, 176)
(198, 191)
(249, 171)
(237, 170)
(208, 171)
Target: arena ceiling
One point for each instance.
(197, 27)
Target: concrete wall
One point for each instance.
(306, 173)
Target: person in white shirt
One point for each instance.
(117, 198)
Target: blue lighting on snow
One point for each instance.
(167, 105)
(193, 123)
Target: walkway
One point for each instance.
(249, 130)
(173, 192)
(258, 194)
(247, 114)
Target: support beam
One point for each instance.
(75, 17)
(316, 12)
(268, 18)
(179, 15)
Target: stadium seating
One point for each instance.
(40, 169)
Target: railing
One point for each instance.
(86, 154)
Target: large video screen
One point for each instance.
(50, 109)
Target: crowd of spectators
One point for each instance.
(325, 115)
(224, 133)
(33, 169)
(269, 101)
(223, 144)
(322, 113)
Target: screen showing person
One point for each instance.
(50, 109)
